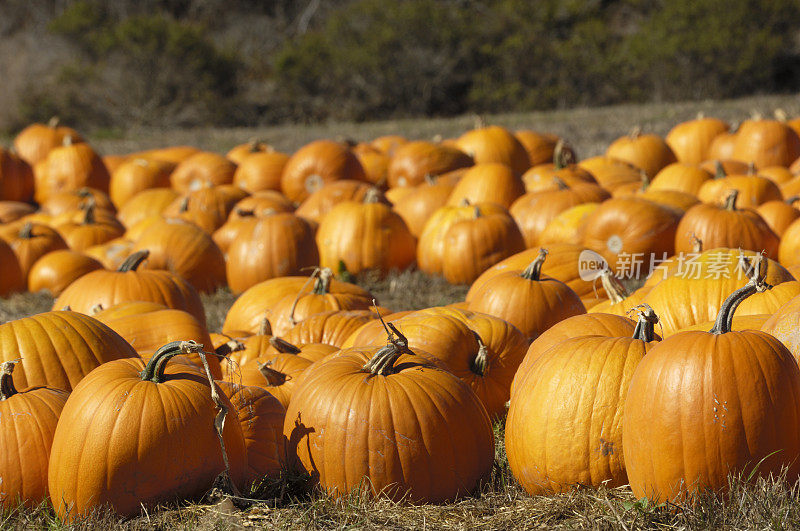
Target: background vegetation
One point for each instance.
(178, 63)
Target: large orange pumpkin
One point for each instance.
(16, 177)
(648, 152)
(56, 270)
(200, 170)
(494, 144)
(691, 140)
(70, 167)
(413, 161)
(488, 182)
(37, 140)
(316, 164)
(766, 143)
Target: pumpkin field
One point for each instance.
(572, 318)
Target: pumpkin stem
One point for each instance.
(323, 282)
(372, 195)
(254, 146)
(476, 211)
(780, 115)
(245, 213)
(133, 261)
(481, 362)
(226, 349)
(480, 121)
(534, 270)
(97, 308)
(283, 346)
(730, 201)
(26, 232)
(636, 132)
(697, 243)
(67, 141)
(560, 183)
(154, 370)
(724, 322)
(89, 207)
(382, 363)
(720, 170)
(614, 288)
(559, 161)
(274, 378)
(7, 389)
(318, 285)
(430, 179)
(184, 206)
(264, 327)
(792, 199)
(53, 122)
(464, 202)
(751, 168)
(645, 325)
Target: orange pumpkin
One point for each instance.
(16, 177)
(316, 164)
(136, 175)
(766, 143)
(36, 141)
(56, 270)
(200, 170)
(489, 182)
(691, 140)
(494, 144)
(260, 171)
(421, 201)
(648, 152)
(413, 161)
(70, 167)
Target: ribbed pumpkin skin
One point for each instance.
(314, 165)
(332, 328)
(70, 167)
(59, 348)
(131, 442)
(201, 169)
(564, 425)
(261, 418)
(37, 140)
(27, 423)
(494, 144)
(691, 140)
(649, 152)
(291, 366)
(317, 205)
(766, 143)
(490, 182)
(702, 405)
(253, 305)
(419, 431)
(136, 175)
(412, 161)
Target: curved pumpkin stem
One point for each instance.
(480, 364)
(274, 378)
(724, 322)
(228, 348)
(636, 132)
(751, 168)
(7, 389)
(534, 270)
(697, 243)
(645, 180)
(245, 212)
(184, 206)
(154, 370)
(645, 324)
(614, 288)
(793, 199)
(464, 202)
(264, 327)
(322, 283)
(53, 122)
(133, 261)
(559, 161)
(730, 200)
(382, 363)
(26, 232)
(283, 346)
(720, 170)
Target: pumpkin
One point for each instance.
(489, 182)
(365, 236)
(145, 204)
(753, 189)
(534, 210)
(542, 176)
(249, 309)
(28, 421)
(30, 242)
(564, 425)
(789, 247)
(678, 201)
(12, 278)
(477, 243)
(704, 405)
(37, 140)
(680, 177)
(739, 323)
(200, 170)
(611, 173)
(531, 303)
(725, 226)
(136, 175)
(254, 146)
(720, 167)
(494, 144)
(438, 442)
(766, 143)
(56, 270)
(567, 226)
(260, 171)
(186, 250)
(274, 246)
(777, 174)
(14, 210)
(59, 348)
(207, 207)
(783, 325)
(620, 301)
(316, 164)
(107, 288)
(142, 435)
(542, 147)
(261, 417)
(94, 228)
(16, 177)
(332, 327)
(418, 205)
(322, 201)
(413, 161)
(648, 152)
(375, 163)
(112, 253)
(691, 140)
(173, 154)
(623, 229)
(277, 371)
(388, 143)
(70, 167)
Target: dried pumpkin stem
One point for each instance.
(559, 182)
(730, 200)
(534, 270)
(645, 325)
(283, 346)
(134, 261)
(264, 327)
(26, 232)
(89, 216)
(724, 321)
(614, 288)
(559, 161)
(274, 377)
(229, 347)
(7, 389)
(480, 364)
(154, 370)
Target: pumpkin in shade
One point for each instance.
(477, 243)
(59, 348)
(691, 140)
(322, 201)
(207, 207)
(28, 421)
(70, 167)
(274, 246)
(527, 300)
(375, 163)
(489, 182)
(534, 210)
(437, 441)
(14, 210)
(431, 250)
(186, 250)
(413, 161)
(418, 205)
(12, 278)
(779, 214)
(388, 143)
(37, 140)
(648, 152)
(56, 270)
(261, 417)
(704, 405)
(141, 435)
(631, 226)
(542, 176)
(30, 242)
(766, 143)
(365, 236)
(200, 170)
(136, 175)
(107, 288)
(494, 144)
(324, 294)
(725, 226)
(276, 368)
(564, 425)
(16, 177)
(260, 171)
(316, 164)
